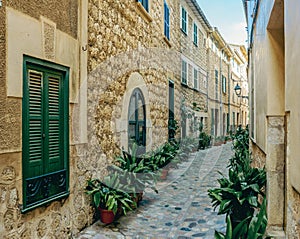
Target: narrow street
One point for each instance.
(181, 209)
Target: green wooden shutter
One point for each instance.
(34, 135)
(55, 149)
(45, 133)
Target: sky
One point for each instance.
(228, 16)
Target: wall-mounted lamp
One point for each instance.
(238, 91)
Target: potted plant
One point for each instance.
(109, 198)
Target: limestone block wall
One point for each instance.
(259, 156)
(225, 73)
(213, 64)
(195, 53)
(123, 40)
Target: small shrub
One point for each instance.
(204, 139)
(240, 193)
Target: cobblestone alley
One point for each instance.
(181, 209)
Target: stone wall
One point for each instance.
(195, 100)
(259, 156)
(123, 39)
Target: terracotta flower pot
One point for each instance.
(106, 216)
(164, 173)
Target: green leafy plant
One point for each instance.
(204, 139)
(172, 129)
(107, 195)
(135, 172)
(240, 193)
(251, 227)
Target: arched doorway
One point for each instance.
(137, 121)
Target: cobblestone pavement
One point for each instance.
(181, 209)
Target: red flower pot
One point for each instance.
(106, 216)
(164, 173)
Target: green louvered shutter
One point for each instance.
(55, 149)
(45, 133)
(35, 130)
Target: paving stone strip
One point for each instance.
(181, 209)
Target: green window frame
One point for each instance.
(45, 129)
(184, 21)
(195, 34)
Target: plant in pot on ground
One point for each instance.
(204, 139)
(241, 193)
(136, 173)
(108, 197)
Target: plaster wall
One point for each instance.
(34, 29)
(292, 89)
(274, 54)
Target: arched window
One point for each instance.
(137, 121)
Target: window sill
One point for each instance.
(184, 84)
(143, 13)
(167, 41)
(185, 33)
(195, 44)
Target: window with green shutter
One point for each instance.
(184, 21)
(45, 132)
(195, 34)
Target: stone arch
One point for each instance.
(135, 80)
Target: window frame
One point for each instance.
(195, 34)
(50, 69)
(171, 109)
(184, 72)
(224, 84)
(145, 4)
(217, 84)
(166, 20)
(184, 18)
(138, 95)
(196, 79)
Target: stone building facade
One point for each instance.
(274, 108)
(239, 78)
(194, 31)
(219, 70)
(129, 49)
(73, 77)
(68, 82)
